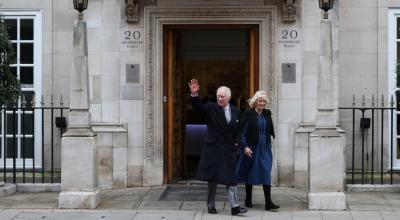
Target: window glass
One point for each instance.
(27, 148)
(26, 53)
(26, 76)
(398, 28)
(26, 29)
(11, 142)
(398, 51)
(11, 28)
(15, 47)
(13, 70)
(29, 96)
(9, 121)
(27, 123)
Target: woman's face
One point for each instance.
(260, 104)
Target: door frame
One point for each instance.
(155, 18)
(170, 168)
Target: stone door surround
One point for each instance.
(156, 18)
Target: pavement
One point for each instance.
(185, 202)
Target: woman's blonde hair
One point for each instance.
(259, 94)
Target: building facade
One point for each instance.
(142, 53)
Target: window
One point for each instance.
(24, 29)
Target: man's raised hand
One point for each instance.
(194, 86)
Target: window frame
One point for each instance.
(36, 15)
(393, 14)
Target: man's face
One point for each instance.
(222, 99)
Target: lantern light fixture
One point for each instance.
(326, 5)
(80, 5)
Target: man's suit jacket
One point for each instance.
(219, 152)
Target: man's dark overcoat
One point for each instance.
(219, 154)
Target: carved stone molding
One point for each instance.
(289, 11)
(150, 2)
(131, 11)
(156, 18)
(270, 2)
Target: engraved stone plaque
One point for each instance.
(132, 39)
(132, 73)
(288, 73)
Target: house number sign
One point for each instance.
(132, 39)
(289, 38)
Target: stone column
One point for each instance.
(326, 149)
(78, 144)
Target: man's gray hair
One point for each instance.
(225, 90)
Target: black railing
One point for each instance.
(30, 141)
(376, 120)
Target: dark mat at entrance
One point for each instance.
(196, 193)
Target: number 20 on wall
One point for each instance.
(289, 34)
(132, 35)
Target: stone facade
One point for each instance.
(129, 114)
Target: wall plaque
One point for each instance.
(289, 38)
(132, 39)
(288, 73)
(132, 73)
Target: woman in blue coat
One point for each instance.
(255, 162)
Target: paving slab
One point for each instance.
(336, 215)
(157, 205)
(190, 203)
(8, 214)
(365, 215)
(154, 193)
(390, 215)
(75, 216)
(250, 215)
(307, 215)
(277, 215)
(376, 207)
(200, 205)
(164, 216)
(119, 204)
(7, 203)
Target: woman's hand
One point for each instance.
(194, 86)
(248, 152)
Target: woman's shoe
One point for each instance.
(271, 205)
(212, 210)
(248, 204)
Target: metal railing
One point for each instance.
(30, 140)
(378, 121)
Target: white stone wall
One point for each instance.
(363, 70)
(360, 67)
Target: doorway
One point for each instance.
(216, 55)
